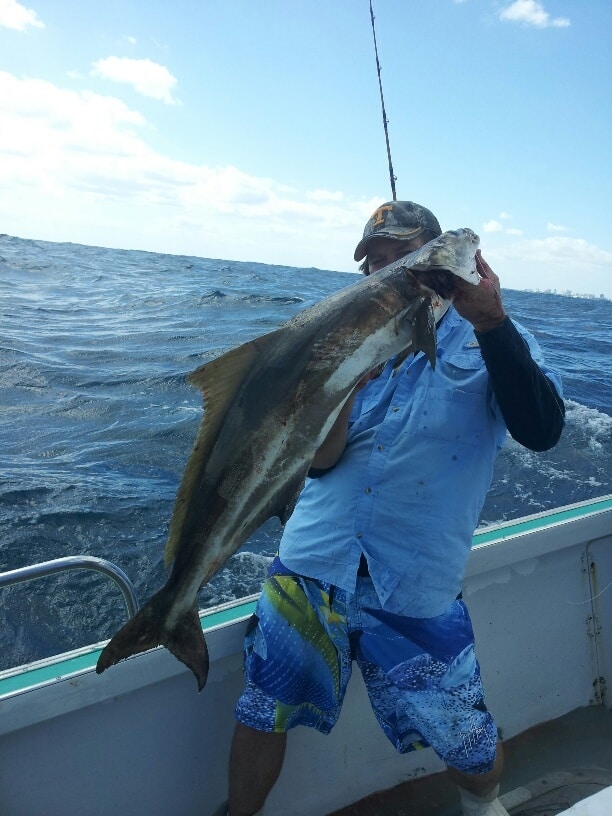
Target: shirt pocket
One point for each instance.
(454, 415)
(465, 369)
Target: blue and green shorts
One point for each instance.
(421, 674)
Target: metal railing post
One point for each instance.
(72, 562)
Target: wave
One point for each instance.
(254, 299)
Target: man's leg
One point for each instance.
(479, 791)
(480, 784)
(256, 760)
(293, 618)
(451, 716)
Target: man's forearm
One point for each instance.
(333, 447)
(529, 402)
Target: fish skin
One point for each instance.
(269, 404)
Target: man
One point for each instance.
(369, 569)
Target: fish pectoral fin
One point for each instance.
(147, 629)
(424, 332)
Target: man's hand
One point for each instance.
(482, 304)
(371, 375)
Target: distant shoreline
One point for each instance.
(567, 294)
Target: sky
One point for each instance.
(253, 131)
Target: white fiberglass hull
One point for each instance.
(140, 739)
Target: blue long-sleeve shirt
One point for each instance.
(407, 492)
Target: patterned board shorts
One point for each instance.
(421, 674)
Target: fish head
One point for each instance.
(450, 257)
(466, 246)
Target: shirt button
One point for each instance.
(358, 535)
(368, 490)
(381, 447)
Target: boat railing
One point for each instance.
(73, 562)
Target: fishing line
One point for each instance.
(392, 176)
(591, 598)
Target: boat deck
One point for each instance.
(548, 769)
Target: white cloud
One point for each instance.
(495, 225)
(325, 195)
(575, 253)
(14, 15)
(147, 77)
(76, 166)
(34, 111)
(532, 13)
(557, 263)
(555, 227)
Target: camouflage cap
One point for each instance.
(397, 219)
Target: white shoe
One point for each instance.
(489, 805)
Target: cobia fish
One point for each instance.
(269, 404)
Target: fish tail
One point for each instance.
(150, 628)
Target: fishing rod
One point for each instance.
(392, 175)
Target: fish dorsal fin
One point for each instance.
(221, 375)
(218, 380)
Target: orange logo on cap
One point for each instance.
(378, 217)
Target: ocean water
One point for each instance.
(97, 420)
